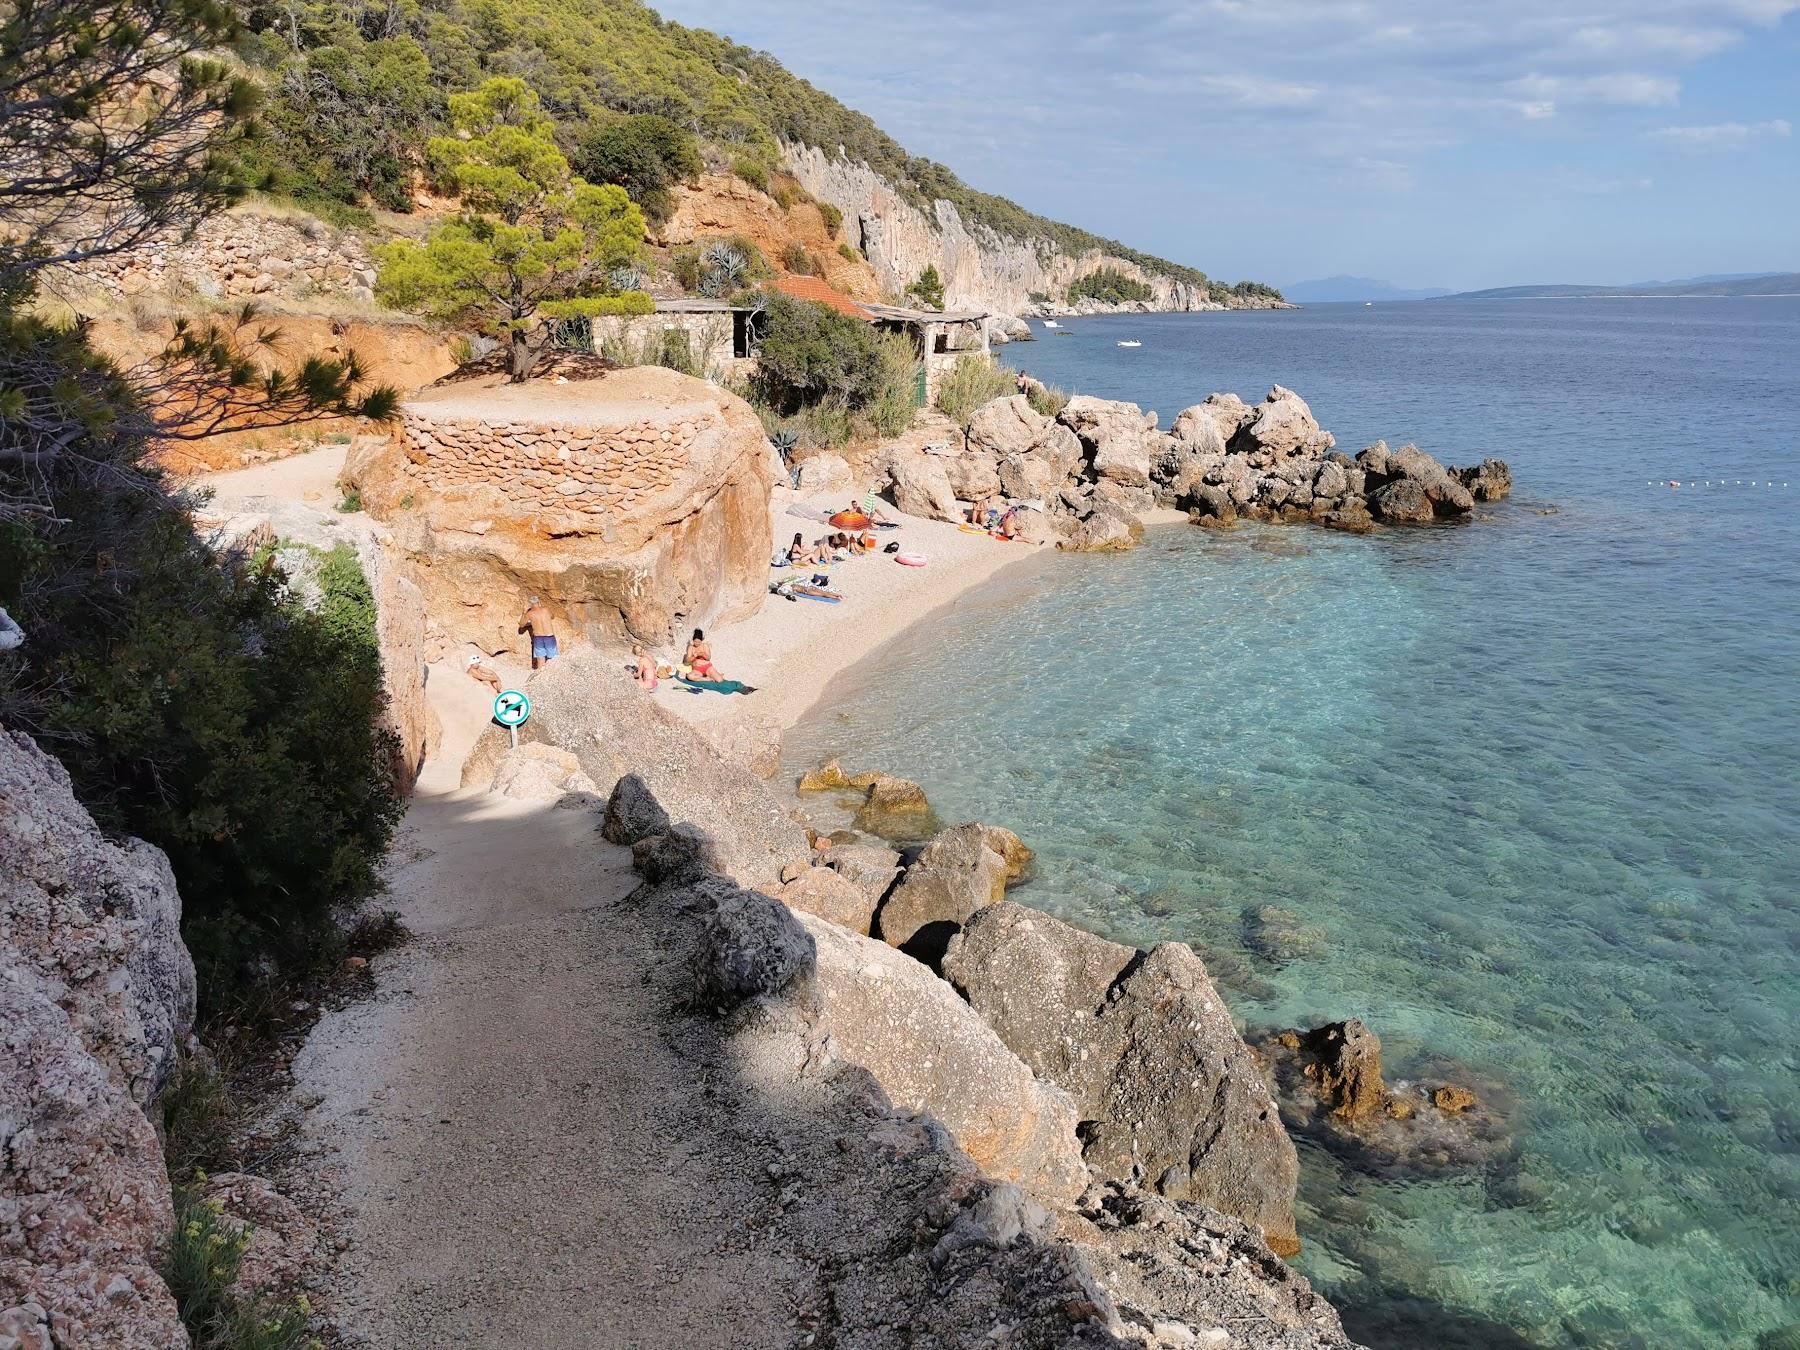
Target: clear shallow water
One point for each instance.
(1531, 781)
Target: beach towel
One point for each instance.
(715, 686)
(806, 512)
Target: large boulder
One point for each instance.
(1114, 435)
(824, 472)
(871, 868)
(1488, 481)
(632, 812)
(1007, 426)
(973, 476)
(921, 485)
(98, 996)
(1030, 477)
(1430, 481)
(632, 504)
(1283, 425)
(932, 1053)
(751, 946)
(1107, 529)
(829, 895)
(955, 874)
(1170, 1094)
(538, 772)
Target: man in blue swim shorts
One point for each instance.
(542, 627)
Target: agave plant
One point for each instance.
(784, 441)
(724, 269)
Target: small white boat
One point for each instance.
(1051, 323)
(1132, 342)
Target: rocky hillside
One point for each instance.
(354, 96)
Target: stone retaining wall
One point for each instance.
(594, 471)
(238, 255)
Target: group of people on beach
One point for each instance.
(696, 660)
(996, 516)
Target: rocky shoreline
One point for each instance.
(1087, 477)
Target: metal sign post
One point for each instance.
(511, 708)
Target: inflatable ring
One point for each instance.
(850, 520)
(910, 559)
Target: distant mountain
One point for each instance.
(1329, 290)
(1760, 283)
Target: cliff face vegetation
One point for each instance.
(354, 89)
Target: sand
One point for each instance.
(791, 650)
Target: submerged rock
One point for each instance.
(1332, 1086)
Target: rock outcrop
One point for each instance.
(1332, 1085)
(931, 1052)
(1085, 479)
(98, 995)
(955, 874)
(634, 505)
(909, 1090)
(585, 704)
(1170, 1097)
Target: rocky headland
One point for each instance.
(1088, 477)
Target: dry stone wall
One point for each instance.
(597, 472)
(634, 505)
(240, 255)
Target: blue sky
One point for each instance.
(1425, 142)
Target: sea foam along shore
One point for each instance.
(791, 652)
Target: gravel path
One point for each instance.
(521, 1125)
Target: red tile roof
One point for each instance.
(818, 291)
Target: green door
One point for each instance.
(919, 388)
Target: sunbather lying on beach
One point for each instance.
(486, 674)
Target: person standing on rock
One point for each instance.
(542, 627)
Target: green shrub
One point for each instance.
(849, 254)
(204, 1258)
(811, 355)
(1038, 297)
(684, 262)
(752, 171)
(1109, 286)
(647, 155)
(1047, 399)
(892, 410)
(351, 501)
(928, 290)
(194, 703)
(796, 259)
(197, 1117)
(787, 194)
(970, 384)
(833, 218)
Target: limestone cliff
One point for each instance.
(981, 268)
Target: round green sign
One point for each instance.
(511, 708)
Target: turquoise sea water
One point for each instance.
(1533, 783)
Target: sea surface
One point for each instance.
(1530, 786)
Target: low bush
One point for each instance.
(752, 171)
(972, 383)
(204, 1258)
(797, 260)
(833, 218)
(811, 355)
(1047, 399)
(849, 253)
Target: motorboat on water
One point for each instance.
(1051, 323)
(1131, 342)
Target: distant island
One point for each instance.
(1334, 290)
(1763, 283)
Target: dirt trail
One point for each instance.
(521, 1131)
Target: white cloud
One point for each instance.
(1599, 185)
(1625, 89)
(1723, 135)
(1252, 91)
